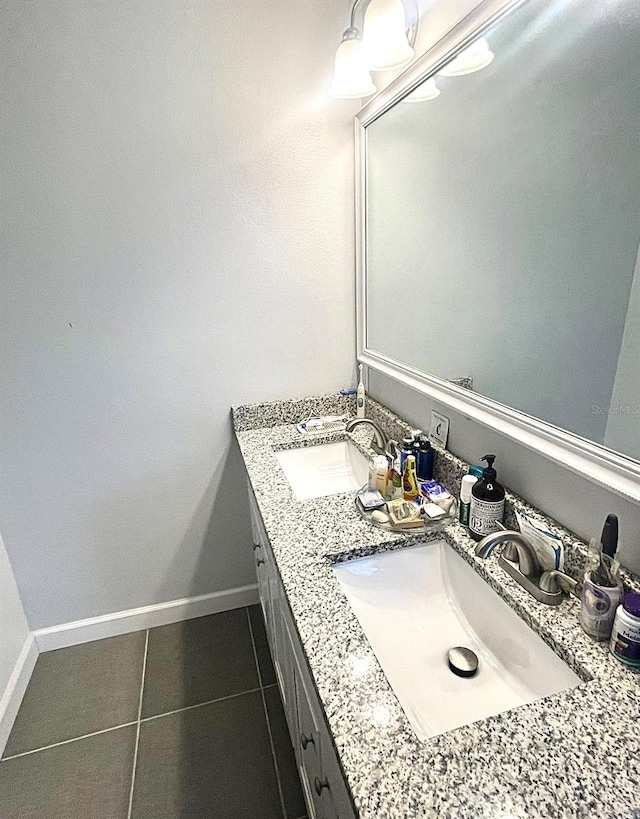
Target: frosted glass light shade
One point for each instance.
(474, 58)
(351, 77)
(425, 92)
(384, 35)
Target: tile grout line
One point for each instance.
(266, 716)
(273, 754)
(67, 741)
(202, 704)
(128, 724)
(135, 750)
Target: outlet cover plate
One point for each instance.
(439, 429)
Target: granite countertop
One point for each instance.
(573, 754)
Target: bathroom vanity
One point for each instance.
(575, 753)
(490, 198)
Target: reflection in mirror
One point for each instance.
(503, 219)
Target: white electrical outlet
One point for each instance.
(439, 429)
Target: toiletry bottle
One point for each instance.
(424, 459)
(468, 482)
(390, 471)
(415, 443)
(373, 474)
(382, 468)
(397, 490)
(409, 479)
(405, 451)
(625, 637)
(487, 502)
(360, 397)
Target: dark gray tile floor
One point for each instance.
(178, 722)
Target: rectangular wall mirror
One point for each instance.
(499, 228)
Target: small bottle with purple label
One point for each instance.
(625, 637)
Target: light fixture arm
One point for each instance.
(353, 32)
(352, 19)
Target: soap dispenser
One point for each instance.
(487, 502)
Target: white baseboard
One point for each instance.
(124, 622)
(14, 692)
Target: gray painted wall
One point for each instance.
(177, 237)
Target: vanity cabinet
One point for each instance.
(324, 789)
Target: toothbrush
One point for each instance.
(609, 537)
(360, 398)
(600, 574)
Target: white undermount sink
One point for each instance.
(324, 469)
(414, 605)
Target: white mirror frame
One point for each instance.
(617, 472)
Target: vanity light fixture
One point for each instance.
(351, 77)
(384, 44)
(474, 58)
(384, 36)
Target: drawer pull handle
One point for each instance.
(305, 740)
(259, 562)
(319, 785)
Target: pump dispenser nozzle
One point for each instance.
(489, 473)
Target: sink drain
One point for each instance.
(462, 661)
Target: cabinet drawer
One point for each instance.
(336, 802)
(308, 749)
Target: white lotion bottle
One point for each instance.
(360, 397)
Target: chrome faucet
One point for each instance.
(524, 553)
(520, 561)
(381, 444)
